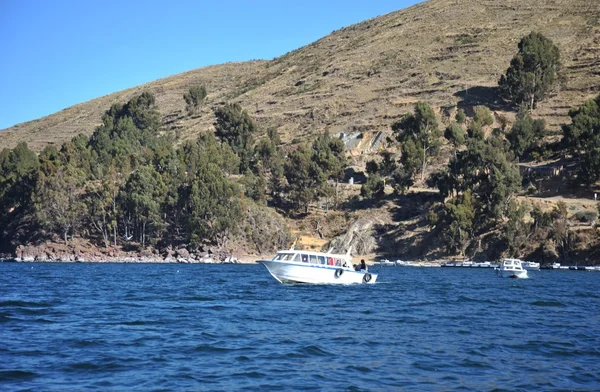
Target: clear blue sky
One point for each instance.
(55, 54)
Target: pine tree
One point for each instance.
(533, 72)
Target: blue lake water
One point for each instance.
(233, 327)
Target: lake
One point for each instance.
(159, 327)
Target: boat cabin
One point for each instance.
(513, 264)
(313, 258)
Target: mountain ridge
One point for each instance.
(362, 77)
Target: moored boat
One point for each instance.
(530, 265)
(511, 268)
(301, 266)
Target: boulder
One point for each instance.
(183, 253)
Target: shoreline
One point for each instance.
(133, 260)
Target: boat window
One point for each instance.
(338, 262)
(305, 258)
(296, 258)
(321, 260)
(313, 259)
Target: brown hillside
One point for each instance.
(448, 52)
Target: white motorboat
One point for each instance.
(301, 266)
(530, 265)
(511, 268)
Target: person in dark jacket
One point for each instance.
(363, 265)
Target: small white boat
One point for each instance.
(387, 263)
(301, 266)
(530, 265)
(511, 268)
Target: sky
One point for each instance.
(55, 54)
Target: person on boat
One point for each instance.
(363, 265)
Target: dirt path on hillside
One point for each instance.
(571, 201)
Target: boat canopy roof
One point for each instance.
(313, 253)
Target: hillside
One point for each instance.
(362, 77)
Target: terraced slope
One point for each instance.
(363, 77)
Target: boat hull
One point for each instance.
(513, 273)
(292, 272)
(530, 266)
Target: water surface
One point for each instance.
(233, 327)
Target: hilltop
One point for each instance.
(362, 77)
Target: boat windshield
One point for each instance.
(284, 256)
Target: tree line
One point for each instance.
(127, 184)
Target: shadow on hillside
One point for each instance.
(357, 203)
(409, 237)
(481, 95)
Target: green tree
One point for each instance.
(386, 166)
(457, 222)
(561, 233)
(235, 126)
(255, 186)
(330, 157)
(128, 134)
(140, 200)
(403, 179)
(421, 129)
(101, 202)
(533, 72)
(582, 138)
(525, 133)
(267, 151)
(484, 169)
(372, 167)
(212, 207)
(483, 116)
(58, 203)
(18, 175)
(373, 188)
(455, 134)
(304, 177)
(329, 154)
(516, 230)
(460, 116)
(195, 154)
(49, 160)
(194, 98)
(19, 172)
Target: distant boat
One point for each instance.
(402, 263)
(511, 268)
(300, 266)
(530, 265)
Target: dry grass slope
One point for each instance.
(363, 77)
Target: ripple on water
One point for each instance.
(549, 304)
(17, 375)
